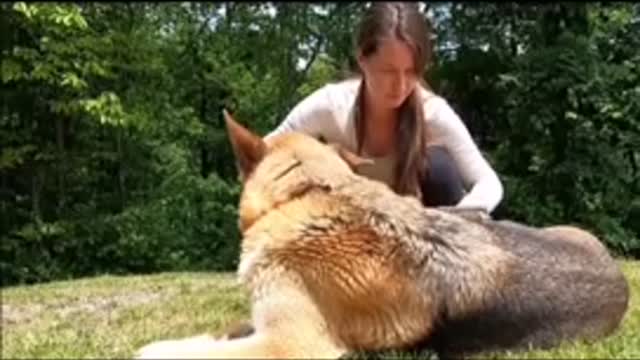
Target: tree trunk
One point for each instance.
(4, 187)
(37, 173)
(37, 180)
(4, 207)
(62, 166)
(205, 165)
(513, 40)
(631, 156)
(121, 170)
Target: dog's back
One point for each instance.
(497, 285)
(565, 287)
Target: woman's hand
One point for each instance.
(471, 213)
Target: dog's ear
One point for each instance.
(248, 148)
(352, 159)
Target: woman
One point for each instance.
(418, 143)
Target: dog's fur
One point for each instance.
(338, 263)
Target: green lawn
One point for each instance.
(110, 317)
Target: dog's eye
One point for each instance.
(287, 170)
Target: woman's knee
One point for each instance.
(442, 185)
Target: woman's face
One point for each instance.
(390, 73)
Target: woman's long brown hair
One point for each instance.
(405, 22)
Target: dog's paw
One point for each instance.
(175, 349)
(157, 350)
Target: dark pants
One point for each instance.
(443, 184)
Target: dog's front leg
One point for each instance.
(280, 339)
(256, 346)
(287, 323)
(177, 348)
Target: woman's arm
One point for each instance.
(485, 188)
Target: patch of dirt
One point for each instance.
(15, 314)
(21, 314)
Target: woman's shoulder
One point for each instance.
(335, 96)
(442, 118)
(432, 102)
(342, 93)
(347, 85)
(324, 111)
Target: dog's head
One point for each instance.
(283, 167)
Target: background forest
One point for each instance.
(114, 157)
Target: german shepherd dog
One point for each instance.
(337, 264)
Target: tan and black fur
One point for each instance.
(337, 263)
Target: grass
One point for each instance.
(111, 317)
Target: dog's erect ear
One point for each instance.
(352, 159)
(248, 148)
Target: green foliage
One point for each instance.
(189, 224)
(114, 156)
(101, 151)
(568, 134)
(552, 100)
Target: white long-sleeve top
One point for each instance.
(328, 113)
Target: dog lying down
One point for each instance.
(337, 263)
